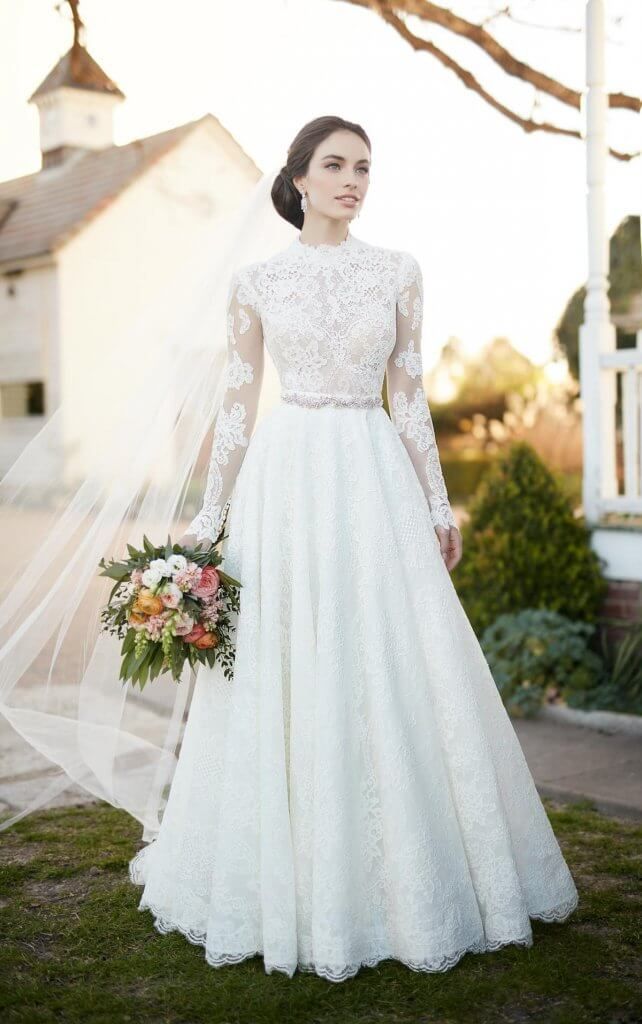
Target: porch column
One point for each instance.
(597, 333)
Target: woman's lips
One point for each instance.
(352, 201)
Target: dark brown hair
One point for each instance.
(285, 195)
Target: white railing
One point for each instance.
(628, 363)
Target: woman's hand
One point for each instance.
(450, 545)
(188, 540)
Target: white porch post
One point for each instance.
(597, 333)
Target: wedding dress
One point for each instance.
(357, 792)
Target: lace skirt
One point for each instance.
(357, 792)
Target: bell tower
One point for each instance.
(76, 103)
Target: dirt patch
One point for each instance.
(603, 931)
(603, 884)
(14, 852)
(41, 946)
(42, 892)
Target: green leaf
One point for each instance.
(128, 642)
(138, 662)
(126, 665)
(229, 580)
(144, 669)
(157, 662)
(177, 659)
(116, 572)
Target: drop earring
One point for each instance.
(304, 202)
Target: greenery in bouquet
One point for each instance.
(171, 604)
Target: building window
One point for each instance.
(23, 398)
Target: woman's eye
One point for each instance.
(366, 169)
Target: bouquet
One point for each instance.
(170, 604)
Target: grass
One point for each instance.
(77, 949)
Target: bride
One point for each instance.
(357, 791)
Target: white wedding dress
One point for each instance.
(357, 792)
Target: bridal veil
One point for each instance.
(67, 718)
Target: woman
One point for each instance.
(357, 792)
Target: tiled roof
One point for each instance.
(77, 69)
(40, 211)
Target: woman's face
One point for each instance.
(339, 166)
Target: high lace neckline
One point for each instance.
(323, 247)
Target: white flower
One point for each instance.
(171, 595)
(161, 565)
(177, 563)
(151, 577)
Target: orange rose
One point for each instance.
(207, 640)
(137, 620)
(148, 603)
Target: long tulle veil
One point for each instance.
(66, 717)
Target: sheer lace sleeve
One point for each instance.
(406, 396)
(237, 414)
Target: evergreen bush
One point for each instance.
(523, 547)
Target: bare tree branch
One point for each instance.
(506, 12)
(425, 10)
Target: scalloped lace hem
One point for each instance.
(164, 925)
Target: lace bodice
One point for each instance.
(334, 319)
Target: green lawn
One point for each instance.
(76, 948)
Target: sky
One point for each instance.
(496, 217)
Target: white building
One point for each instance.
(88, 240)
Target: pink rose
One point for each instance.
(194, 634)
(171, 596)
(183, 624)
(209, 582)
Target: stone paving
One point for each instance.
(568, 761)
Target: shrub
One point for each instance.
(534, 652)
(464, 472)
(621, 688)
(523, 547)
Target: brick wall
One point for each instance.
(623, 601)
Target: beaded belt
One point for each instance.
(314, 401)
